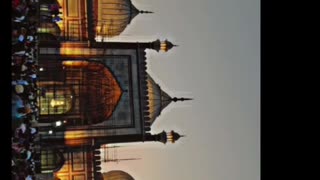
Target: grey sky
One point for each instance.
(218, 64)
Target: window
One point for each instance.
(49, 27)
(57, 100)
(51, 160)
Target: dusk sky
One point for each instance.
(218, 64)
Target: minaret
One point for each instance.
(164, 137)
(155, 45)
(162, 45)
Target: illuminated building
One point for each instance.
(96, 92)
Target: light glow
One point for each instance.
(58, 123)
(55, 103)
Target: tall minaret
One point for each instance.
(163, 137)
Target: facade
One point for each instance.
(95, 93)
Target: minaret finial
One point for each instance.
(145, 12)
(175, 99)
(162, 45)
(173, 136)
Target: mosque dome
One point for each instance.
(113, 16)
(157, 99)
(117, 175)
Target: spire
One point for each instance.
(118, 160)
(145, 12)
(175, 99)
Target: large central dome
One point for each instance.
(113, 16)
(117, 175)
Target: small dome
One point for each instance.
(117, 175)
(113, 16)
(157, 98)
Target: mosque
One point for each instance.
(96, 92)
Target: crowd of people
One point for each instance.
(25, 110)
(26, 18)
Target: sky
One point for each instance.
(218, 64)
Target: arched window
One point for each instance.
(51, 160)
(57, 100)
